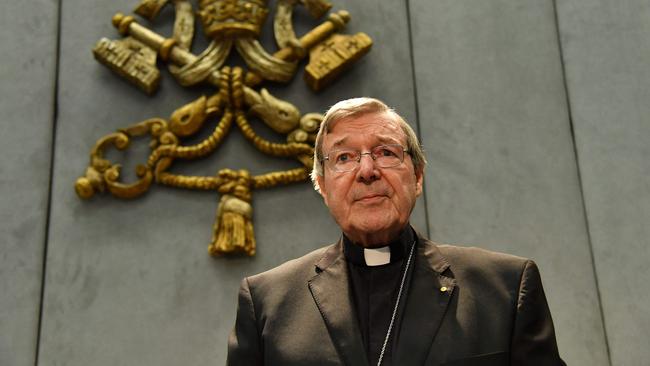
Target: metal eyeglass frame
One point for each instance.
(361, 154)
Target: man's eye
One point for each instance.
(386, 152)
(344, 157)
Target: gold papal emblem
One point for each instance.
(231, 25)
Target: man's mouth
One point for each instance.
(371, 198)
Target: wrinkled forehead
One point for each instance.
(383, 127)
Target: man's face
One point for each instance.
(370, 204)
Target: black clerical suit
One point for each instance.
(461, 306)
(375, 288)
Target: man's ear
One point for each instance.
(419, 178)
(321, 187)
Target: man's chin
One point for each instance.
(373, 233)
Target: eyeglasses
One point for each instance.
(384, 156)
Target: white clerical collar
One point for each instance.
(377, 256)
(395, 251)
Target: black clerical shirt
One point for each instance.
(374, 290)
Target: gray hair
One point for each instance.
(356, 107)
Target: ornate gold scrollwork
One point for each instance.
(232, 24)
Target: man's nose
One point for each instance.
(368, 171)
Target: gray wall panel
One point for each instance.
(607, 56)
(27, 77)
(132, 280)
(502, 172)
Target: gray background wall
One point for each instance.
(533, 113)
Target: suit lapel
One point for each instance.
(427, 300)
(331, 291)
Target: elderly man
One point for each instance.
(384, 295)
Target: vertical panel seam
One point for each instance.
(55, 113)
(417, 110)
(580, 181)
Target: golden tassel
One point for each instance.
(233, 230)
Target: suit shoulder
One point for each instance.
(295, 268)
(475, 254)
(477, 262)
(286, 282)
